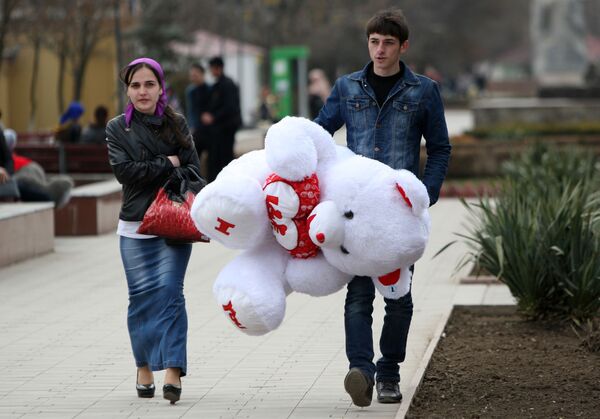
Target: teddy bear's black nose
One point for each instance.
(344, 250)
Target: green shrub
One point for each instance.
(540, 235)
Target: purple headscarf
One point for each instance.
(162, 100)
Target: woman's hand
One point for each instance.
(174, 160)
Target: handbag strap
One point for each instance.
(192, 170)
(184, 179)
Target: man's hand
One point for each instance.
(207, 118)
(4, 176)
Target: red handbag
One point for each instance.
(169, 214)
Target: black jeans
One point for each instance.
(33, 192)
(358, 320)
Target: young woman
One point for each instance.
(145, 145)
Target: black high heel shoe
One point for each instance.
(171, 392)
(144, 391)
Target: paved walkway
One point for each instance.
(64, 348)
(65, 353)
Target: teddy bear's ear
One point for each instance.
(412, 191)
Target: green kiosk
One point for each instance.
(289, 70)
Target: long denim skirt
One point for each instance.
(156, 319)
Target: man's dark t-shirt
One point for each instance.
(382, 85)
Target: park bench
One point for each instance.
(56, 157)
(26, 231)
(93, 209)
(86, 158)
(66, 158)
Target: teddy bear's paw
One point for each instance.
(232, 211)
(315, 276)
(252, 164)
(326, 226)
(254, 314)
(395, 284)
(290, 150)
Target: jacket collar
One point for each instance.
(408, 77)
(149, 120)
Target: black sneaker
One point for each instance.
(359, 386)
(388, 392)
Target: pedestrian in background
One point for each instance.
(69, 130)
(8, 192)
(387, 109)
(267, 107)
(31, 179)
(145, 145)
(95, 133)
(197, 99)
(319, 89)
(223, 118)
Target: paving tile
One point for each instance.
(65, 351)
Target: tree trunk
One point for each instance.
(2, 33)
(33, 84)
(62, 59)
(119, 53)
(78, 76)
(7, 8)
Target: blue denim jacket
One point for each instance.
(392, 134)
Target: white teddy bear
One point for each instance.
(310, 215)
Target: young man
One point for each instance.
(223, 118)
(387, 109)
(197, 98)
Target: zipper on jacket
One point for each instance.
(364, 86)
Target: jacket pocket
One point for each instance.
(357, 109)
(403, 134)
(403, 106)
(358, 104)
(404, 117)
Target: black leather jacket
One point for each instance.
(138, 158)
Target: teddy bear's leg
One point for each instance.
(315, 276)
(232, 211)
(251, 291)
(395, 284)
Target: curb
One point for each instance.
(417, 377)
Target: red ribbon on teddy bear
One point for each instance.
(289, 204)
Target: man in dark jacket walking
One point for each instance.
(197, 99)
(223, 118)
(387, 109)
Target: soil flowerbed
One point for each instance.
(491, 362)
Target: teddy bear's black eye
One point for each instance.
(349, 215)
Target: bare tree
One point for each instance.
(7, 8)
(31, 23)
(450, 35)
(119, 48)
(91, 23)
(158, 27)
(72, 33)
